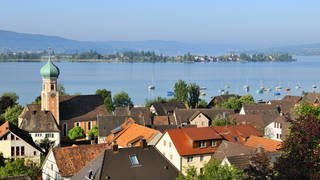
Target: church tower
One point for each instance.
(50, 93)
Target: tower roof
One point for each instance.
(49, 70)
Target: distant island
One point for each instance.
(143, 56)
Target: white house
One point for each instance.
(16, 143)
(65, 162)
(277, 130)
(185, 147)
(40, 124)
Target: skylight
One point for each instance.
(134, 160)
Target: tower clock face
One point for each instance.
(53, 95)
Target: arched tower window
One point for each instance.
(52, 87)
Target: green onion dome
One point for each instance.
(49, 70)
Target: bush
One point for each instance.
(76, 133)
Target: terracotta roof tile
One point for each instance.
(268, 144)
(73, 158)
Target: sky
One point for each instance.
(280, 22)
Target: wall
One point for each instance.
(49, 168)
(169, 150)
(196, 162)
(200, 120)
(37, 137)
(271, 132)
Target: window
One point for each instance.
(12, 137)
(201, 158)
(134, 160)
(213, 143)
(189, 159)
(51, 166)
(164, 143)
(65, 129)
(280, 125)
(17, 151)
(170, 144)
(77, 124)
(22, 150)
(202, 144)
(89, 125)
(34, 153)
(280, 136)
(277, 136)
(235, 138)
(52, 87)
(12, 151)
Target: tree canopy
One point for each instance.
(76, 133)
(181, 91)
(193, 95)
(93, 132)
(8, 99)
(122, 99)
(19, 167)
(12, 113)
(107, 98)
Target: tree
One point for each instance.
(212, 170)
(232, 103)
(46, 144)
(62, 90)
(122, 99)
(181, 91)
(246, 100)
(221, 122)
(260, 166)
(12, 113)
(93, 132)
(158, 99)
(19, 167)
(76, 133)
(300, 153)
(202, 104)
(8, 99)
(37, 100)
(107, 98)
(193, 95)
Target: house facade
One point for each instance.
(185, 147)
(16, 143)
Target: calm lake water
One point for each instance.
(134, 78)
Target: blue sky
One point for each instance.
(223, 21)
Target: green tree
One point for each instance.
(300, 151)
(76, 133)
(45, 144)
(12, 113)
(202, 104)
(218, 121)
(212, 170)
(193, 95)
(62, 90)
(93, 132)
(107, 98)
(8, 99)
(37, 100)
(19, 167)
(232, 103)
(247, 99)
(158, 99)
(122, 99)
(181, 91)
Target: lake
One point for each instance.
(134, 78)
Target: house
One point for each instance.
(278, 129)
(311, 98)
(166, 108)
(260, 109)
(135, 163)
(130, 134)
(81, 110)
(40, 124)
(268, 145)
(237, 133)
(229, 149)
(185, 147)
(140, 114)
(200, 117)
(217, 101)
(286, 104)
(65, 162)
(256, 120)
(17, 143)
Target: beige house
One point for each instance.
(16, 143)
(187, 147)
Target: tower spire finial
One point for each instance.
(49, 51)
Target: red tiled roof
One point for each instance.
(73, 158)
(268, 144)
(182, 139)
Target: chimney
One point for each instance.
(144, 144)
(260, 149)
(115, 148)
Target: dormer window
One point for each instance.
(134, 160)
(213, 143)
(202, 144)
